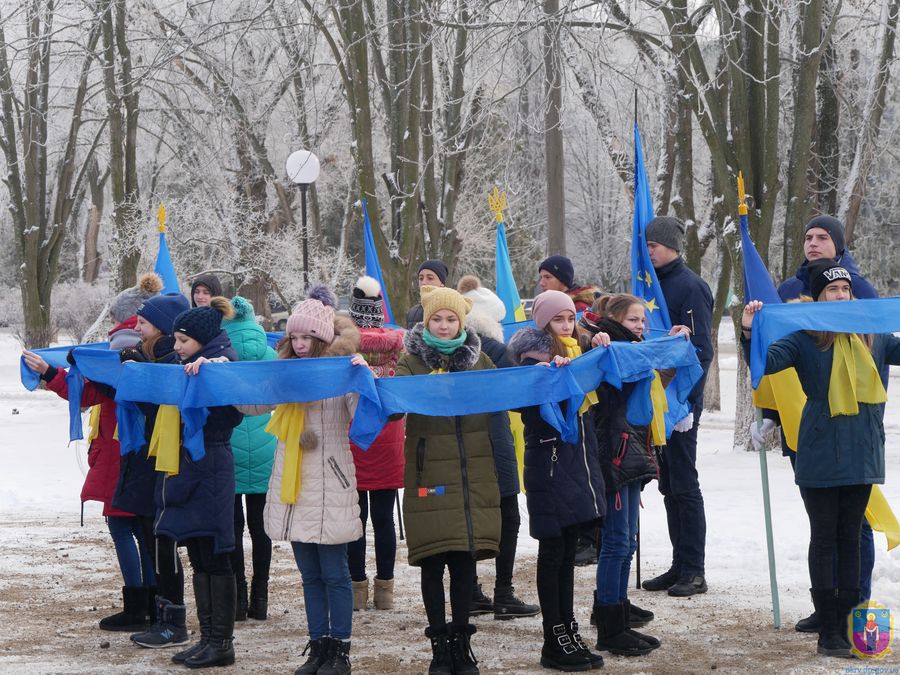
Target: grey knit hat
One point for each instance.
(126, 303)
(667, 231)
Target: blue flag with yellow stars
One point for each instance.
(644, 283)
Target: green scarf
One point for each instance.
(445, 347)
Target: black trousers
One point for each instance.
(556, 576)
(262, 545)
(169, 573)
(462, 570)
(203, 559)
(835, 520)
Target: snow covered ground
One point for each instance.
(58, 579)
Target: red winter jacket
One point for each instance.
(381, 466)
(103, 455)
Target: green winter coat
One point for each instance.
(253, 448)
(451, 501)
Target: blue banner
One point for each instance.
(164, 267)
(373, 267)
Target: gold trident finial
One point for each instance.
(161, 217)
(497, 203)
(742, 196)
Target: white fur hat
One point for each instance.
(484, 300)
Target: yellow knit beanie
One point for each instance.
(435, 298)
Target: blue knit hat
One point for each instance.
(560, 267)
(161, 310)
(204, 323)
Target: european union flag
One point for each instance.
(644, 283)
(373, 267)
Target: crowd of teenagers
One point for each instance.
(291, 473)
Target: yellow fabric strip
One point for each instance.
(782, 391)
(660, 408)
(854, 377)
(438, 371)
(881, 518)
(287, 424)
(94, 423)
(165, 443)
(573, 351)
(517, 427)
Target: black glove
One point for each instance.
(70, 357)
(131, 354)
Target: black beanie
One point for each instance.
(667, 231)
(200, 323)
(833, 227)
(560, 267)
(211, 281)
(436, 266)
(823, 272)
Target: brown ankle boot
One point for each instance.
(384, 593)
(360, 594)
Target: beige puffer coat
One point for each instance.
(327, 508)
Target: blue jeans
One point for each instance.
(327, 592)
(618, 544)
(134, 557)
(679, 483)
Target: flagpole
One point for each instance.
(743, 211)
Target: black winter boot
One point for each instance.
(595, 660)
(829, 642)
(663, 582)
(810, 624)
(586, 551)
(481, 604)
(133, 616)
(169, 629)
(318, 653)
(240, 604)
(508, 606)
(219, 651)
(612, 634)
(441, 661)
(259, 599)
(559, 652)
(628, 612)
(338, 661)
(638, 617)
(847, 600)
(203, 600)
(464, 661)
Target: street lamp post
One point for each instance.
(302, 168)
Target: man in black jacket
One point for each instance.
(690, 305)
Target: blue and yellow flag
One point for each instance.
(373, 267)
(164, 267)
(644, 283)
(503, 277)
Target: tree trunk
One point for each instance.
(92, 259)
(554, 159)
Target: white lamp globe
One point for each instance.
(302, 167)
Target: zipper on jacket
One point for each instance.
(553, 459)
(587, 467)
(420, 461)
(623, 446)
(464, 470)
(652, 453)
(163, 510)
(332, 462)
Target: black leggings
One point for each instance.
(204, 560)
(509, 537)
(169, 573)
(462, 570)
(382, 512)
(556, 576)
(262, 545)
(835, 519)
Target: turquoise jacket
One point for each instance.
(254, 449)
(833, 451)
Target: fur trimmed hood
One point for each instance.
(346, 338)
(529, 343)
(484, 325)
(462, 359)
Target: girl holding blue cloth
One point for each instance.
(563, 482)
(451, 501)
(840, 450)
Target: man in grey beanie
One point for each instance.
(690, 305)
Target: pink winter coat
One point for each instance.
(381, 466)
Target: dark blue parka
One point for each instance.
(137, 472)
(199, 500)
(690, 304)
(563, 481)
(840, 450)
